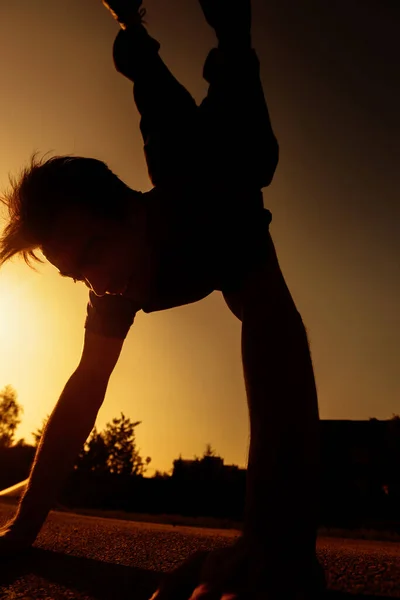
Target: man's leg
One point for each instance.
(168, 111)
(283, 468)
(241, 149)
(234, 115)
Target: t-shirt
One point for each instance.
(203, 239)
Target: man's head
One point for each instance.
(84, 219)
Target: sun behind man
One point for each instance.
(201, 228)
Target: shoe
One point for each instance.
(128, 13)
(231, 19)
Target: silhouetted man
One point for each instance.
(201, 228)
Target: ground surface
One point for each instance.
(88, 558)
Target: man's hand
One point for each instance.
(223, 574)
(239, 572)
(13, 541)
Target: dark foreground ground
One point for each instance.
(90, 558)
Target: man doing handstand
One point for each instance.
(201, 228)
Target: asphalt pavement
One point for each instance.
(91, 558)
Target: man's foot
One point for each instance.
(128, 13)
(231, 19)
(133, 47)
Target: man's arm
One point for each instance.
(284, 427)
(69, 426)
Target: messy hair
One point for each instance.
(44, 188)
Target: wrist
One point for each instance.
(29, 520)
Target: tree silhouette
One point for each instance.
(208, 451)
(119, 438)
(10, 411)
(113, 450)
(161, 475)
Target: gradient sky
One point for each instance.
(330, 74)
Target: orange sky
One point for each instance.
(329, 73)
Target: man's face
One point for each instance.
(110, 257)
